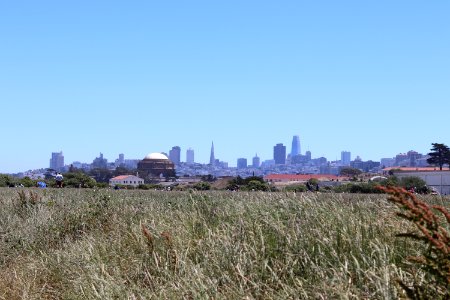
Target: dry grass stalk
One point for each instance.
(432, 222)
(149, 238)
(172, 254)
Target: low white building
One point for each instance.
(438, 180)
(126, 180)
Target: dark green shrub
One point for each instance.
(301, 188)
(256, 185)
(28, 182)
(78, 179)
(358, 188)
(202, 186)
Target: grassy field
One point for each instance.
(106, 244)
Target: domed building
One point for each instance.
(154, 166)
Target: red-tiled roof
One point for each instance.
(122, 177)
(301, 177)
(421, 169)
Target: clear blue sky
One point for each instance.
(133, 77)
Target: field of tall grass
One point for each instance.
(108, 244)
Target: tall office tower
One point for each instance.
(256, 161)
(212, 158)
(120, 161)
(242, 163)
(175, 154)
(57, 161)
(100, 162)
(346, 157)
(279, 154)
(295, 150)
(190, 156)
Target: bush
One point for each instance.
(358, 188)
(301, 188)
(248, 184)
(28, 182)
(416, 183)
(6, 180)
(202, 186)
(256, 185)
(78, 179)
(102, 185)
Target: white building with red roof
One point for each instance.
(434, 178)
(126, 180)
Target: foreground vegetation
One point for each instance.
(104, 244)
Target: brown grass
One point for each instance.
(104, 244)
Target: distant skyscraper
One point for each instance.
(175, 154)
(279, 154)
(242, 163)
(256, 161)
(308, 155)
(346, 157)
(212, 158)
(190, 156)
(120, 161)
(100, 162)
(57, 161)
(295, 150)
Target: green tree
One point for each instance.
(5, 180)
(28, 182)
(256, 185)
(439, 155)
(101, 175)
(412, 181)
(78, 179)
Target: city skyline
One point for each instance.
(232, 163)
(370, 78)
(297, 164)
(283, 157)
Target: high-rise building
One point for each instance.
(346, 158)
(212, 158)
(190, 156)
(413, 157)
(387, 162)
(175, 155)
(57, 161)
(256, 161)
(308, 155)
(295, 150)
(279, 154)
(120, 161)
(100, 162)
(242, 163)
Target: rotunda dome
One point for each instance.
(156, 156)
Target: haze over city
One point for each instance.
(91, 77)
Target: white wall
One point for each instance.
(439, 180)
(127, 181)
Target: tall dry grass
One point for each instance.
(103, 244)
